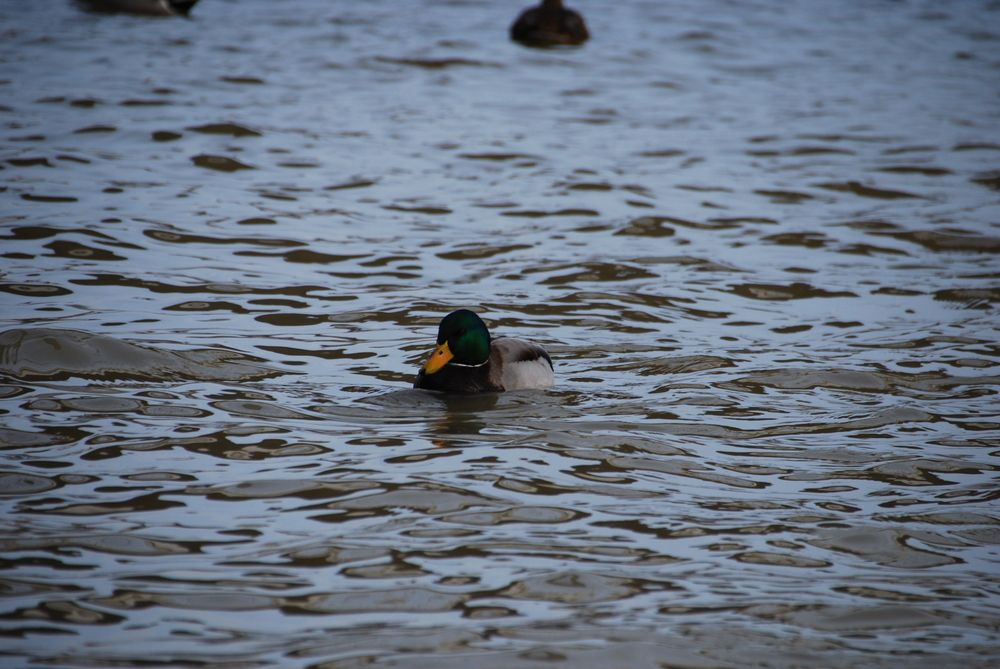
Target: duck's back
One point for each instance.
(516, 364)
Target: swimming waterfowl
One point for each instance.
(150, 7)
(468, 360)
(549, 24)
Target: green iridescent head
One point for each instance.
(462, 339)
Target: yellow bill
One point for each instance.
(439, 358)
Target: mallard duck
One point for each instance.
(150, 7)
(549, 24)
(468, 360)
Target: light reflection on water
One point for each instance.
(760, 243)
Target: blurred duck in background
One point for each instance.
(549, 24)
(147, 7)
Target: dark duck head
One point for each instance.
(462, 353)
(462, 340)
(148, 7)
(549, 24)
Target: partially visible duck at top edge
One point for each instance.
(549, 24)
(468, 360)
(148, 7)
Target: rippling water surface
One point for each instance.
(759, 239)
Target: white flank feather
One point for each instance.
(527, 374)
(522, 364)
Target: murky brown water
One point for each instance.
(760, 240)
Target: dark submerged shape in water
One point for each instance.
(549, 24)
(55, 354)
(148, 7)
(468, 360)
